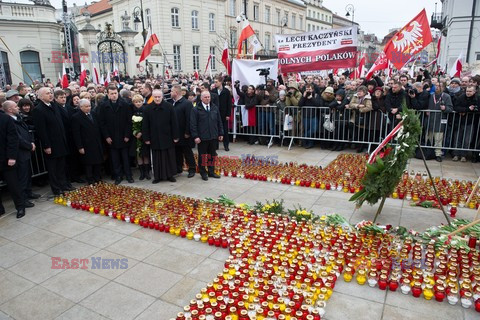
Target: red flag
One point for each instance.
(410, 40)
(107, 80)
(196, 75)
(247, 31)
(457, 67)
(380, 63)
(208, 64)
(225, 60)
(83, 75)
(438, 46)
(95, 77)
(167, 74)
(147, 49)
(64, 78)
(359, 71)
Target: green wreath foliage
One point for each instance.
(383, 175)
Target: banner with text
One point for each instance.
(317, 50)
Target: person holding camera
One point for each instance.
(441, 103)
(309, 104)
(467, 108)
(418, 97)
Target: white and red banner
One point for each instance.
(317, 50)
(379, 64)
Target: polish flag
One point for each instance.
(83, 75)
(107, 80)
(225, 60)
(457, 67)
(167, 74)
(95, 77)
(147, 49)
(249, 116)
(360, 70)
(115, 70)
(64, 77)
(380, 63)
(196, 75)
(247, 32)
(209, 66)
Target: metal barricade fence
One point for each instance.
(448, 131)
(259, 121)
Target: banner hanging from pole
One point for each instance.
(317, 50)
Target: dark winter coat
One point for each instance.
(87, 135)
(9, 141)
(206, 125)
(116, 122)
(160, 125)
(182, 109)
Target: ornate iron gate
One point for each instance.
(111, 50)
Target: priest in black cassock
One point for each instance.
(160, 131)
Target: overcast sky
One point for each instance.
(374, 16)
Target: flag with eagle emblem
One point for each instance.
(410, 40)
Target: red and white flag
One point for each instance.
(247, 32)
(255, 44)
(115, 70)
(438, 47)
(196, 75)
(457, 67)
(380, 63)
(390, 136)
(107, 80)
(95, 77)
(209, 65)
(147, 49)
(167, 74)
(360, 70)
(249, 116)
(225, 59)
(83, 75)
(64, 77)
(409, 41)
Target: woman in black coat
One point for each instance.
(142, 150)
(88, 140)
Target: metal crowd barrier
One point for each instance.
(37, 162)
(455, 131)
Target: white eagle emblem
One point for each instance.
(406, 40)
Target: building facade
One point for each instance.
(318, 17)
(267, 18)
(31, 35)
(459, 23)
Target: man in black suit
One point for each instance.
(88, 140)
(225, 107)
(49, 128)
(26, 147)
(183, 148)
(9, 144)
(115, 116)
(207, 129)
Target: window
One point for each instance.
(256, 11)
(175, 20)
(267, 15)
(233, 37)
(318, 15)
(211, 22)
(31, 64)
(322, 16)
(6, 67)
(177, 62)
(195, 20)
(309, 12)
(196, 57)
(279, 18)
(308, 27)
(233, 8)
(477, 54)
(300, 22)
(212, 61)
(294, 21)
(267, 41)
(148, 15)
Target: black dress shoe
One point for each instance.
(172, 179)
(204, 177)
(155, 181)
(29, 204)
(20, 213)
(191, 174)
(227, 149)
(33, 196)
(439, 159)
(214, 175)
(118, 181)
(130, 180)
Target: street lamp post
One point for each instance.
(138, 14)
(350, 8)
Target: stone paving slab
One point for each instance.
(164, 272)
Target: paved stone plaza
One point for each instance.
(165, 272)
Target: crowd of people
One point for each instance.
(84, 131)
